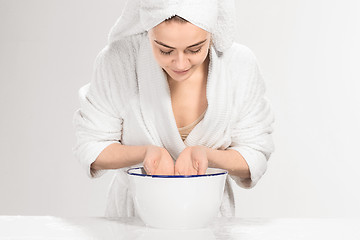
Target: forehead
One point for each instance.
(177, 34)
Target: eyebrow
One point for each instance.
(194, 45)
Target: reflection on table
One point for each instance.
(51, 227)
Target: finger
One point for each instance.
(149, 169)
(196, 165)
(148, 172)
(172, 171)
(177, 168)
(193, 172)
(189, 170)
(203, 165)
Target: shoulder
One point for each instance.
(114, 73)
(240, 62)
(243, 69)
(123, 50)
(239, 54)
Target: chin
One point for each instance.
(180, 78)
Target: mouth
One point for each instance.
(181, 72)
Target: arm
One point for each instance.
(196, 159)
(98, 122)
(156, 160)
(235, 163)
(117, 156)
(251, 128)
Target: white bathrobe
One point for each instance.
(128, 102)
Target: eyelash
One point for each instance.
(168, 53)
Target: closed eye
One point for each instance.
(191, 51)
(165, 53)
(196, 51)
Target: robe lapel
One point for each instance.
(155, 102)
(213, 130)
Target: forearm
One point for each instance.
(117, 156)
(230, 160)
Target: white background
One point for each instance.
(308, 51)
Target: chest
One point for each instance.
(188, 105)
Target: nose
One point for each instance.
(181, 62)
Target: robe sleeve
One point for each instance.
(97, 122)
(252, 128)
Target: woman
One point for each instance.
(172, 92)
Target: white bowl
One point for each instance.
(177, 202)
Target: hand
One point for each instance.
(157, 161)
(192, 161)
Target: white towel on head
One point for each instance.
(214, 16)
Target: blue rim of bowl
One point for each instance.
(173, 176)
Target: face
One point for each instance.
(179, 48)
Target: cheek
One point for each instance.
(200, 59)
(163, 61)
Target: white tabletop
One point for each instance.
(51, 227)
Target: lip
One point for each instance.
(181, 72)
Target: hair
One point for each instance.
(176, 18)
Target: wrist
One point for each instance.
(211, 153)
(144, 150)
